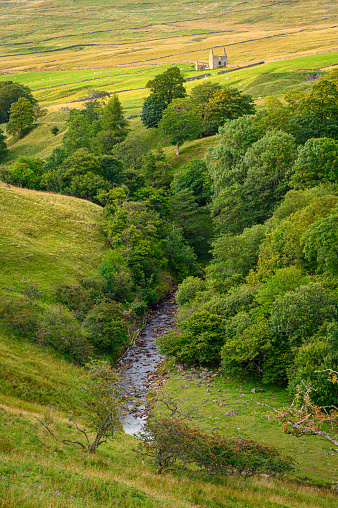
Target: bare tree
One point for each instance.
(106, 408)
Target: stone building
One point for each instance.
(215, 62)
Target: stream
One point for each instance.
(142, 359)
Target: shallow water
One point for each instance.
(142, 359)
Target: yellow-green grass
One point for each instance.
(40, 141)
(315, 458)
(195, 149)
(47, 238)
(62, 87)
(41, 34)
(36, 470)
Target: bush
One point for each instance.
(76, 298)
(188, 289)
(105, 327)
(199, 340)
(59, 329)
(19, 313)
(173, 445)
(298, 314)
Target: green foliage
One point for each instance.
(117, 276)
(188, 289)
(27, 172)
(201, 95)
(114, 127)
(224, 161)
(106, 328)
(173, 445)
(21, 117)
(233, 255)
(194, 220)
(299, 314)
(78, 175)
(59, 329)
(245, 350)
(311, 358)
(284, 246)
(19, 313)
(152, 111)
(228, 211)
(321, 243)
(268, 162)
(194, 176)
(76, 298)
(317, 162)
(78, 134)
(3, 147)
(180, 122)
(227, 103)
(279, 283)
(55, 130)
(168, 85)
(199, 339)
(275, 116)
(156, 169)
(9, 94)
(181, 257)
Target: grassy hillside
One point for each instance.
(47, 238)
(36, 470)
(67, 35)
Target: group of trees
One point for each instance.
(264, 201)
(18, 109)
(183, 118)
(268, 305)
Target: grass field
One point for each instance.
(40, 34)
(273, 78)
(61, 87)
(36, 470)
(47, 238)
(250, 420)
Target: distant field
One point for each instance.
(39, 34)
(60, 88)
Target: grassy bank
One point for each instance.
(47, 238)
(228, 406)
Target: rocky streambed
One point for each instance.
(141, 361)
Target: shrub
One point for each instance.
(105, 327)
(19, 313)
(76, 298)
(59, 328)
(298, 314)
(173, 445)
(188, 288)
(199, 340)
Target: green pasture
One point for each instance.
(36, 470)
(57, 88)
(226, 405)
(47, 238)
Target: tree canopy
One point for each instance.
(168, 85)
(180, 122)
(21, 117)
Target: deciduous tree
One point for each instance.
(21, 117)
(180, 123)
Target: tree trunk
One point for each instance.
(178, 149)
